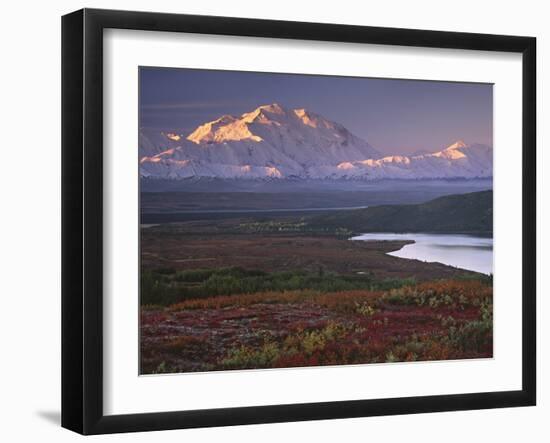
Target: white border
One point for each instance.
(126, 392)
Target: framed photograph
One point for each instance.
(269, 221)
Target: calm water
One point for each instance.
(462, 251)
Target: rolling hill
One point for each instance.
(460, 213)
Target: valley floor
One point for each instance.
(275, 246)
(243, 294)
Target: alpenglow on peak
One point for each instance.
(251, 125)
(275, 142)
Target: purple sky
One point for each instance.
(395, 116)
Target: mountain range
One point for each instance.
(273, 142)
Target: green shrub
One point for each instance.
(159, 288)
(155, 291)
(193, 275)
(245, 357)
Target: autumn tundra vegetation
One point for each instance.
(255, 293)
(438, 320)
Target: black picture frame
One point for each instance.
(82, 218)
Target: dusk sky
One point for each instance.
(394, 116)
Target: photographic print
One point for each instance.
(291, 220)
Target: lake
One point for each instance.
(463, 251)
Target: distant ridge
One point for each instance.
(459, 213)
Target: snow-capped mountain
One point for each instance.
(274, 142)
(457, 161)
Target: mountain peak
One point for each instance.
(222, 129)
(316, 121)
(274, 108)
(272, 142)
(269, 119)
(265, 114)
(457, 145)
